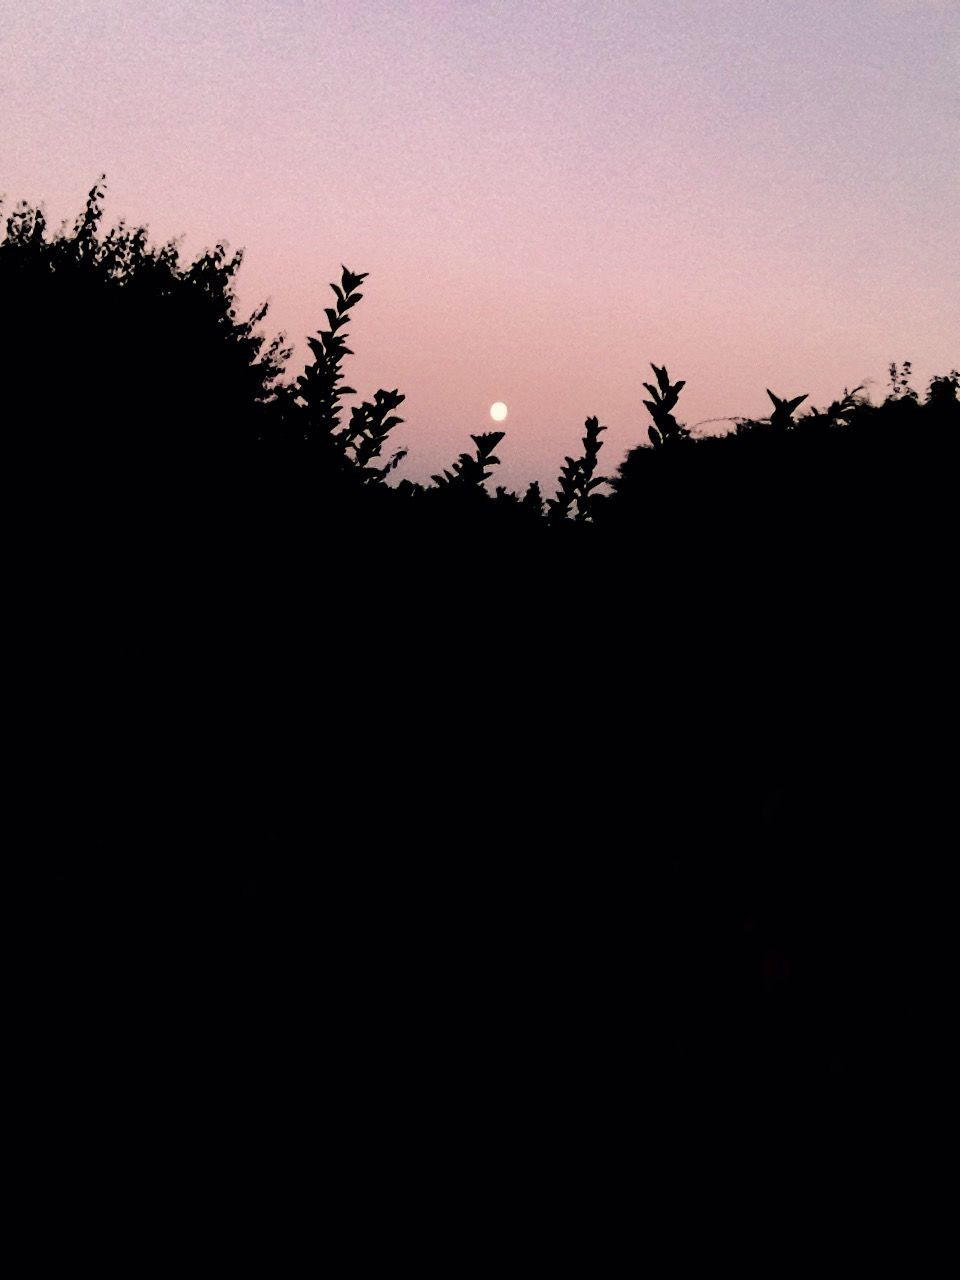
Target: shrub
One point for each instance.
(665, 429)
(470, 472)
(316, 410)
(105, 339)
(783, 410)
(577, 479)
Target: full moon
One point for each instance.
(498, 411)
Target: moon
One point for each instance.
(498, 411)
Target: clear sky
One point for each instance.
(548, 194)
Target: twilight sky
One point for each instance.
(548, 194)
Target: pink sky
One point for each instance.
(547, 196)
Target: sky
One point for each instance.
(547, 195)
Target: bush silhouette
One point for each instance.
(313, 412)
(578, 479)
(470, 472)
(664, 396)
(606, 734)
(783, 411)
(136, 352)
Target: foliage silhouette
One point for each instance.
(319, 385)
(664, 396)
(942, 391)
(840, 410)
(577, 479)
(783, 411)
(900, 388)
(532, 500)
(254, 638)
(149, 355)
(351, 448)
(470, 470)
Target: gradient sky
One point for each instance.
(547, 196)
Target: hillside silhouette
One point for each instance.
(645, 759)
